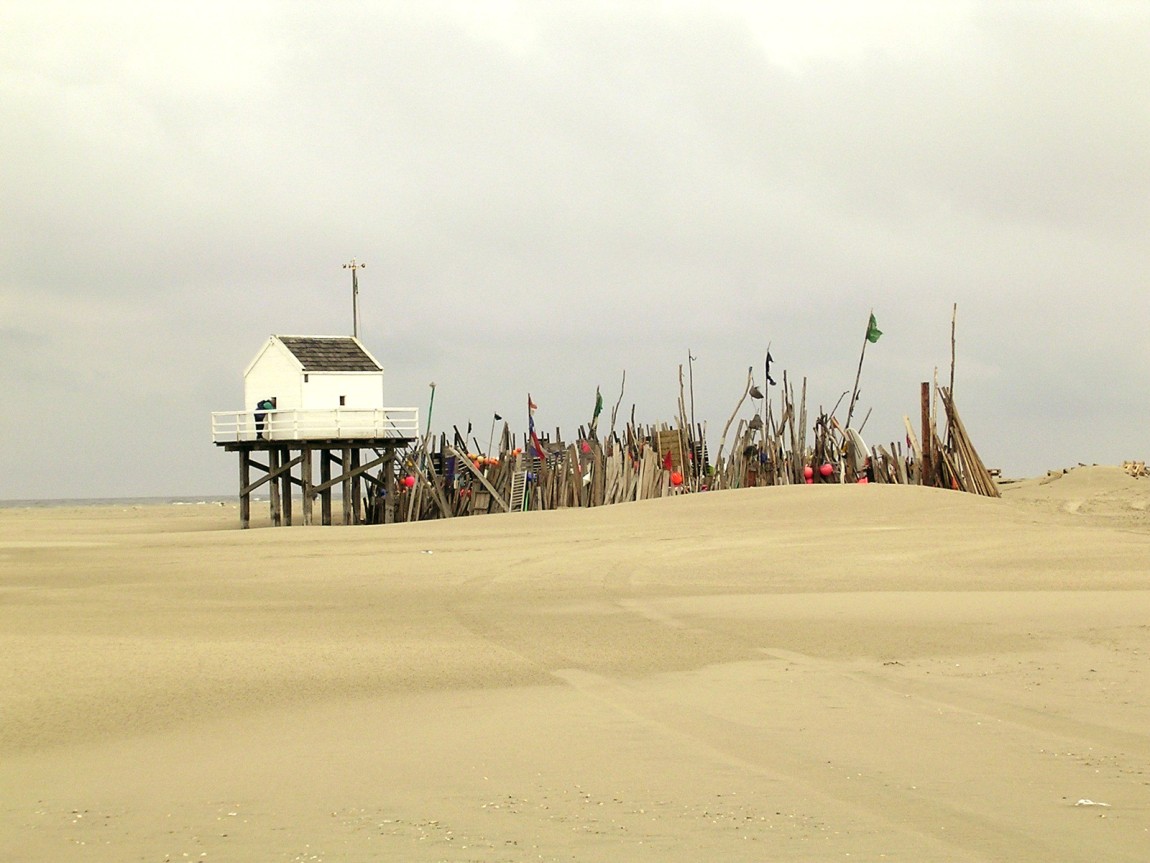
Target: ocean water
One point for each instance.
(51, 503)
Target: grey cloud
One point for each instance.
(541, 213)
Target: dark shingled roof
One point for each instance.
(329, 354)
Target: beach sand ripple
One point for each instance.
(769, 674)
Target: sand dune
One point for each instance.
(769, 674)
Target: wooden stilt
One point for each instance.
(276, 510)
(346, 486)
(325, 482)
(392, 488)
(286, 482)
(245, 494)
(306, 485)
(352, 467)
(354, 475)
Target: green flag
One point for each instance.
(872, 330)
(598, 404)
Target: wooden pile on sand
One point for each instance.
(772, 447)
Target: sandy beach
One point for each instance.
(783, 674)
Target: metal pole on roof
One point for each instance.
(354, 266)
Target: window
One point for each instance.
(343, 401)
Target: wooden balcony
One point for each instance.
(230, 428)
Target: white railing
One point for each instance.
(323, 424)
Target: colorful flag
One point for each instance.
(872, 330)
(531, 408)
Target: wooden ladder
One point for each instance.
(518, 491)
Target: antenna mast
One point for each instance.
(354, 267)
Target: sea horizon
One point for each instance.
(157, 500)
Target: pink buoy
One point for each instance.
(676, 479)
(810, 480)
(808, 472)
(863, 480)
(826, 469)
(409, 481)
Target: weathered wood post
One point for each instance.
(275, 509)
(345, 486)
(927, 437)
(389, 487)
(325, 483)
(285, 480)
(356, 487)
(305, 484)
(245, 494)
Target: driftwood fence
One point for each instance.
(778, 444)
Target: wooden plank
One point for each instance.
(654, 473)
(910, 435)
(927, 477)
(614, 477)
(899, 463)
(331, 482)
(881, 464)
(432, 482)
(624, 473)
(671, 441)
(480, 502)
(344, 477)
(574, 474)
(976, 474)
(598, 475)
(478, 474)
(270, 474)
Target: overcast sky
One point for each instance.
(548, 194)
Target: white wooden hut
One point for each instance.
(314, 373)
(319, 387)
(310, 399)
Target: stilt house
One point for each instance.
(315, 396)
